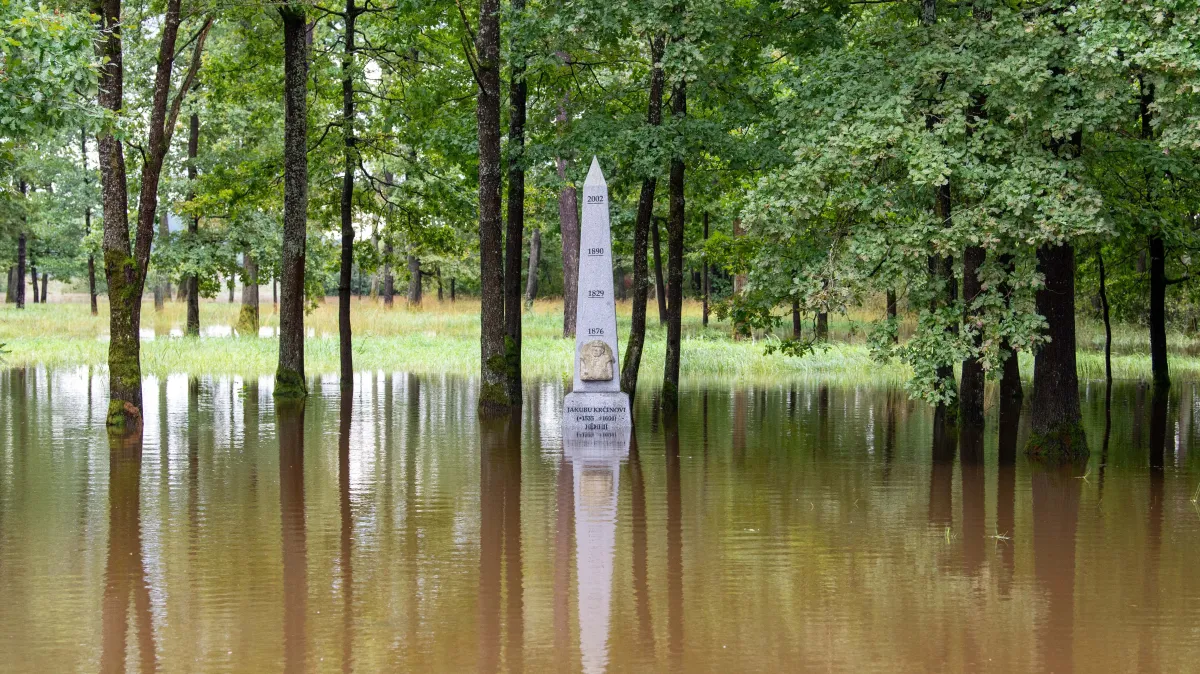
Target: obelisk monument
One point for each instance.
(596, 407)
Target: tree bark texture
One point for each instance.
(660, 285)
(493, 389)
(289, 375)
(22, 251)
(675, 221)
(248, 319)
(33, 283)
(1010, 378)
(568, 218)
(389, 280)
(45, 286)
(349, 165)
(1055, 415)
(515, 231)
(414, 281)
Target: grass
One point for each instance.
(443, 338)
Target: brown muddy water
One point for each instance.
(773, 529)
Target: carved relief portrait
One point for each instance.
(596, 361)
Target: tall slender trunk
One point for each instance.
(33, 283)
(641, 230)
(87, 226)
(1057, 431)
(375, 277)
(971, 387)
(535, 258)
(1010, 377)
(10, 292)
(705, 287)
(670, 400)
(493, 388)
(414, 281)
(891, 314)
(45, 286)
(289, 375)
(438, 276)
(796, 326)
(515, 233)
(349, 166)
(248, 320)
(1108, 378)
(452, 295)
(389, 281)
(823, 326)
(660, 287)
(193, 281)
(1158, 312)
(568, 218)
(159, 299)
(21, 258)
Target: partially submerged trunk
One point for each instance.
(660, 286)
(248, 319)
(641, 228)
(493, 386)
(1108, 378)
(515, 233)
(1055, 415)
(349, 166)
(675, 223)
(126, 262)
(535, 259)
(289, 375)
(1158, 312)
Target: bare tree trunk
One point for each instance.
(377, 276)
(796, 326)
(568, 217)
(350, 158)
(45, 286)
(971, 386)
(1108, 378)
(891, 314)
(289, 376)
(193, 281)
(1010, 378)
(670, 391)
(493, 388)
(438, 275)
(414, 281)
(823, 326)
(515, 233)
(660, 286)
(10, 293)
(33, 281)
(535, 258)
(452, 297)
(1057, 431)
(248, 320)
(21, 259)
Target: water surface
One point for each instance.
(771, 529)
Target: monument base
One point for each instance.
(597, 418)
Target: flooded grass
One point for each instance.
(444, 338)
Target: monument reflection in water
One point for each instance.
(595, 469)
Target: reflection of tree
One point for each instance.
(641, 585)
(1056, 492)
(1006, 486)
(674, 550)
(499, 540)
(1147, 656)
(564, 543)
(345, 415)
(290, 422)
(125, 572)
(941, 476)
(971, 466)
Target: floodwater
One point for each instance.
(773, 529)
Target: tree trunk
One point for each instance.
(822, 326)
(515, 233)
(193, 281)
(414, 281)
(1158, 313)
(21, 246)
(1010, 378)
(349, 165)
(438, 276)
(33, 282)
(891, 314)
(568, 218)
(1057, 431)
(375, 278)
(535, 258)
(289, 376)
(705, 287)
(248, 320)
(452, 290)
(660, 287)
(10, 293)
(670, 392)
(45, 286)
(971, 388)
(1108, 378)
(162, 289)
(87, 227)
(493, 388)
(941, 269)
(389, 281)
(641, 228)
(796, 327)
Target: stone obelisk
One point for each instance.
(596, 407)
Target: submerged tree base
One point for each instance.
(289, 384)
(1063, 444)
(123, 415)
